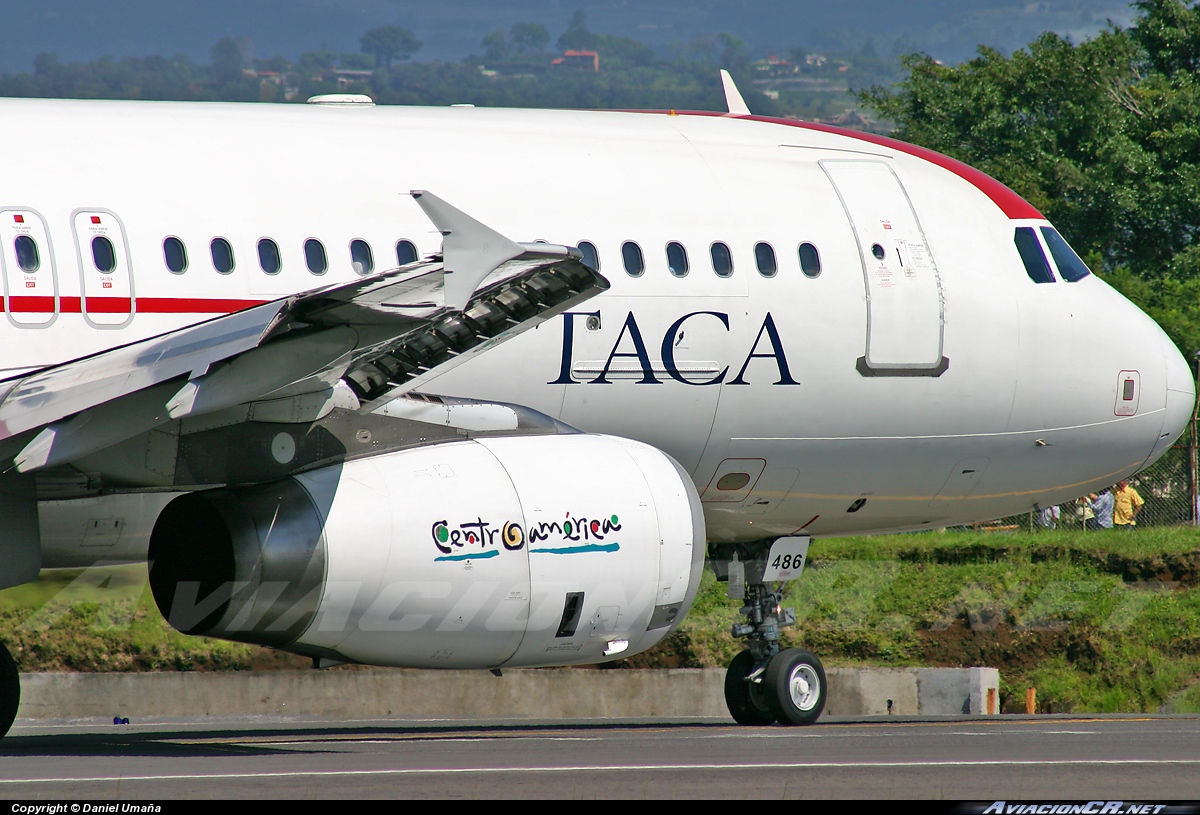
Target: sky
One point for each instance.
(83, 30)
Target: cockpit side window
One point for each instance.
(1036, 265)
(1070, 267)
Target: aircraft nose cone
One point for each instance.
(1181, 397)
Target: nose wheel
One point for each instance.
(789, 689)
(746, 697)
(10, 690)
(795, 684)
(766, 683)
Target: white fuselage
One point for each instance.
(1013, 392)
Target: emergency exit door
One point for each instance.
(30, 279)
(106, 277)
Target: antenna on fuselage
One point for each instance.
(734, 102)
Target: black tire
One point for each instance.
(795, 686)
(747, 701)
(10, 690)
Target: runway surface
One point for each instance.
(1014, 758)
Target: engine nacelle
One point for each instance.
(503, 551)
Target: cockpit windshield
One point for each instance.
(1070, 267)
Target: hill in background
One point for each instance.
(949, 30)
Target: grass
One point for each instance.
(104, 619)
(1096, 622)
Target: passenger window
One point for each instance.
(103, 254)
(406, 253)
(175, 255)
(810, 261)
(27, 253)
(677, 259)
(722, 259)
(222, 255)
(764, 256)
(361, 257)
(314, 256)
(1036, 265)
(268, 256)
(1070, 267)
(591, 258)
(635, 264)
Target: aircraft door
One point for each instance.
(30, 278)
(106, 276)
(905, 306)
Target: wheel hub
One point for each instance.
(804, 687)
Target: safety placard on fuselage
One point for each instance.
(786, 560)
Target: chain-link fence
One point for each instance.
(1166, 488)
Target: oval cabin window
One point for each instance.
(314, 256)
(222, 255)
(268, 256)
(175, 255)
(722, 259)
(764, 258)
(27, 253)
(361, 257)
(103, 254)
(406, 252)
(635, 264)
(591, 257)
(810, 260)
(677, 259)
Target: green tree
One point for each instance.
(495, 45)
(389, 42)
(1102, 136)
(46, 64)
(623, 50)
(577, 37)
(356, 62)
(227, 61)
(732, 52)
(315, 63)
(529, 38)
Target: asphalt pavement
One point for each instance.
(1148, 758)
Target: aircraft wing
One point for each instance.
(382, 334)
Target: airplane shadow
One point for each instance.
(179, 742)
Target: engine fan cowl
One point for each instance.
(503, 551)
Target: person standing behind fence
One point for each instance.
(1102, 505)
(1126, 505)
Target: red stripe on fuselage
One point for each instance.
(121, 305)
(1011, 204)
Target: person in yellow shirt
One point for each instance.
(1126, 505)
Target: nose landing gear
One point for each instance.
(10, 690)
(765, 683)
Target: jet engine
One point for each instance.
(501, 551)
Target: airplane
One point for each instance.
(484, 388)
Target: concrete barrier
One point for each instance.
(540, 694)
